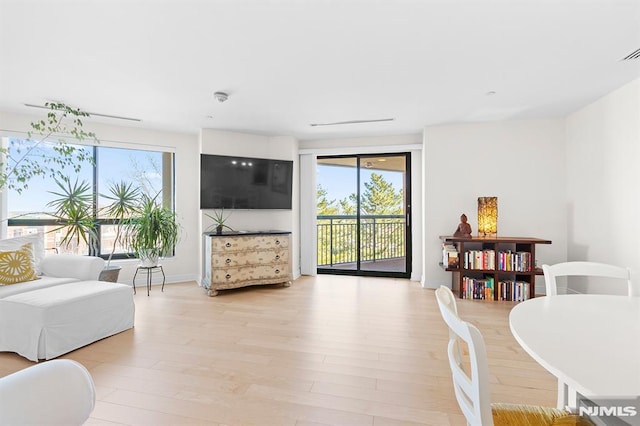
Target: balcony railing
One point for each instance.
(382, 237)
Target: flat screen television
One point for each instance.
(244, 183)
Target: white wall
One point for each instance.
(184, 265)
(221, 142)
(603, 157)
(379, 145)
(520, 162)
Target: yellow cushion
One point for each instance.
(17, 266)
(531, 415)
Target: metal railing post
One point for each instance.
(331, 241)
(374, 239)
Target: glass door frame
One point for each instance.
(407, 213)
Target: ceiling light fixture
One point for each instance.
(221, 96)
(339, 123)
(95, 114)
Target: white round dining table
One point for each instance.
(589, 342)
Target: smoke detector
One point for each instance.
(221, 96)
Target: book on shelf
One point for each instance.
(478, 288)
(513, 291)
(450, 256)
(514, 261)
(485, 289)
(480, 259)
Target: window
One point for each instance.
(151, 171)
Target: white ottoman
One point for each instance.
(46, 323)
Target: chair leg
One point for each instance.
(563, 395)
(572, 398)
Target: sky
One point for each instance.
(114, 165)
(340, 182)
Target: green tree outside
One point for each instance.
(378, 198)
(379, 236)
(325, 207)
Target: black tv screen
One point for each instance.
(244, 183)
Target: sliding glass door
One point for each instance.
(363, 206)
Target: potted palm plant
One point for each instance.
(153, 232)
(73, 210)
(125, 204)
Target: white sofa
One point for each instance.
(58, 269)
(63, 310)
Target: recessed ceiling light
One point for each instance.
(490, 93)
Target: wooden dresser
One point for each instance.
(240, 259)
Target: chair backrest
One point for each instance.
(472, 391)
(60, 391)
(445, 296)
(587, 269)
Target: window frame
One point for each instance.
(94, 249)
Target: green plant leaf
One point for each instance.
(74, 213)
(25, 161)
(125, 204)
(154, 230)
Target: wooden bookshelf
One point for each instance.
(497, 268)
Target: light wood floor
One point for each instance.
(329, 350)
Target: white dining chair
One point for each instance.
(567, 396)
(586, 269)
(472, 390)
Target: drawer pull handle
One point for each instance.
(277, 257)
(227, 261)
(277, 242)
(228, 245)
(227, 276)
(277, 271)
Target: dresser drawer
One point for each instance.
(249, 274)
(244, 258)
(248, 242)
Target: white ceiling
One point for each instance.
(288, 63)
